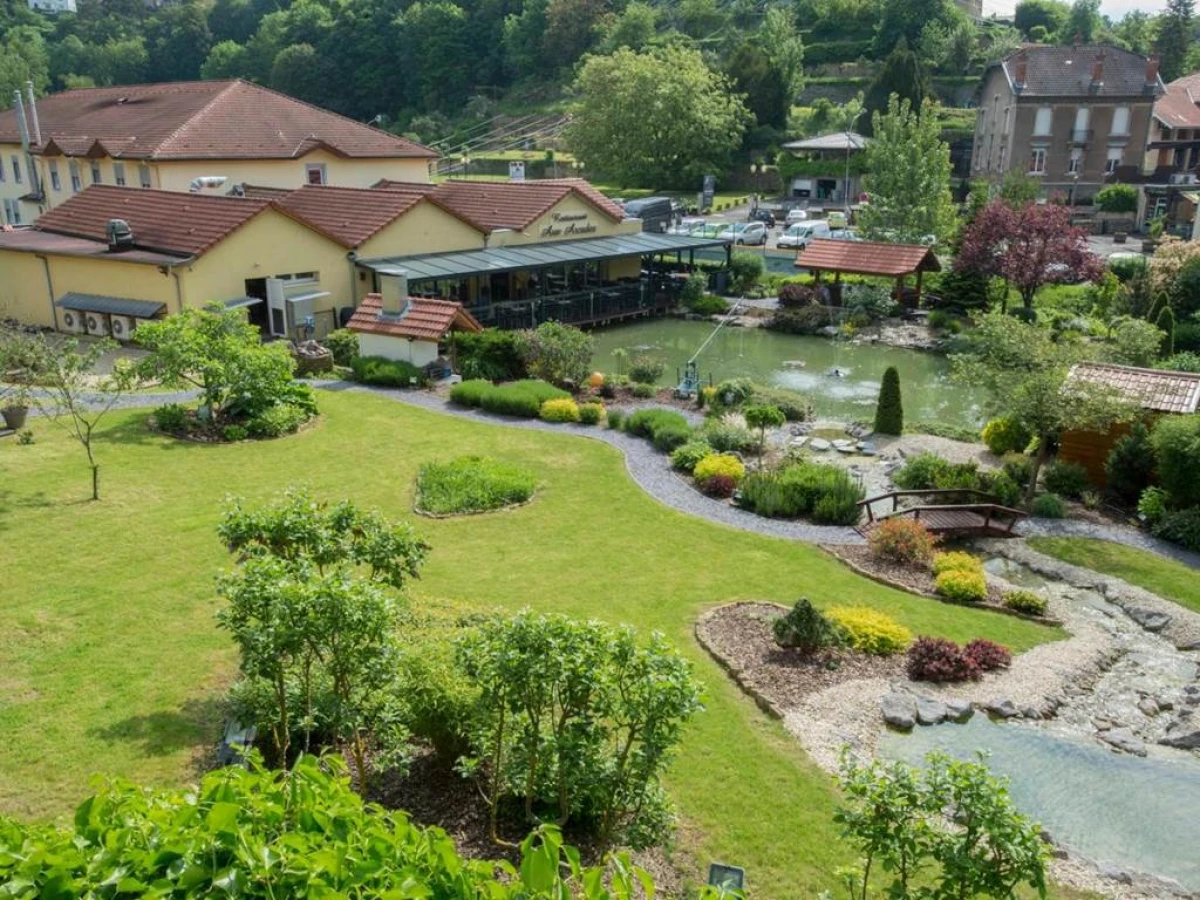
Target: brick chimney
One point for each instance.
(1020, 68)
(1152, 70)
(1098, 70)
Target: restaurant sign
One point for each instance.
(563, 224)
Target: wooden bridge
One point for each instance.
(984, 516)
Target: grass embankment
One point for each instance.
(111, 660)
(1169, 579)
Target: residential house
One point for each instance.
(827, 168)
(186, 136)
(1172, 165)
(1073, 117)
(52, 7)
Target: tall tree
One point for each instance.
(780, 39)
(906, 18)
(660, 117)
(901, 76)
(767, 96)
(908, 178)
(1175, 36)
(1083, 22)
(178, 41)
(572, 26)
(1050, 15)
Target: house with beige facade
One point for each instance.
(1075, 118)
(186, 136)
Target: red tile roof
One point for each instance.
(867, 258)
(200, 120)
(352, 215)
(514, 204)
(1153, 389)
(162, 221)
(1178, 108)
(426, 320)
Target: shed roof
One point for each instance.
(868, 258)
(1152, 389)
(200, 120)
(423, 320)
(838, 140)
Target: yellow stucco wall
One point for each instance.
(567, 220)
(423, 229)
(23, 293)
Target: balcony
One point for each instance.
(1079, 137)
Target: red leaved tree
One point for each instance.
(1028, 247)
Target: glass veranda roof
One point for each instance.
(458, 264)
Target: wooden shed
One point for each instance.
(1155, 391)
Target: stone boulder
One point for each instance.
(819, 444)
(899, 710)
(1183, 733)
(959, 710)
(1150, 619)
(930, 711)
(1125, 740)
(1005, 709)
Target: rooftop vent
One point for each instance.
(120, 235)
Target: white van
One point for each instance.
(799, 236)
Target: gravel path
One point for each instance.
(1118, 534)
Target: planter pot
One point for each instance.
(1149, 246)
(14, 416)
(1119, 237)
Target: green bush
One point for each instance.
(889, 411)
(927, 471)
(1176, 443)
(726, 438)
(1152, 505)
(1025, 602)
(471, 484)
(173, 418)
(718, 464)
(646, 370)
(798, 489)
(795, 406)
(235, 433)
(800, 320)
(591, 413)
(904, 541)
(1186, 361)
(957, 561)
(645, 423)
(1187, 338)
(870, 631)
(1117, 198)
(1067, 479)
(838, 505)
(276, 421)
(1180, 526)
(518, 398)
(803, 628)
(948, 430)
(1127, 268)
(555, 352)
(962, 586)
(615, 419)
(733, 392)
(1130, 464)
(490, 354)
(709, 305)
(563, 409)
(746, 269)
(386, 372)
(644, 391)
(343, 344)
(668, 438)
(686, 456)
(1018, 468)
(1005, 435)
(1048, 506)
(470, 393)
(999, 485)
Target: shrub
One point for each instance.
(386, 372)
(1180, 526)
(343, 344)
(470, 393)
(869, 630)
(719, 486)
(719, 464)
(615, 419)
(726, 438)
(1130, 464)
(709, 305)
(172, 418)
(1176, 443)
(746, 269)
(988, 655)
(1152, 505)
(555, 352)
(801, 320)
(591, 413)
(1067, 479)
(803, 628)
(1127, 268)
(1185, 361)
(945, 429)
(519, 398)
(685, 457)
(1006, 435)
(889, 411)
(795, 406)
(1117, 198)
(956, 561)
(645, 422)
(939, 319)
(838, 505)
(927, 470)
(646, 370)
(668, 438)
(792, 296)
(961, 586)
(939, 660)
(235, 433)
(733, 392)
(471, 484)
(1018, 468)
(1048, 506)
(1006, 491)
(1026, 602)
(490, 354)
(797, 489)
(643, 391)
(904, 541)
(563, 409)
(277, 421)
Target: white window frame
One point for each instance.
(97, 174)
(16, 167)
(1111, 164)
(76, 178)
(3, 174)
(319, 170)
(1043, 117)
(144, 176)
(55, 179)
(1117, 113)
(1037, 161)
(293, 279)
(1075, 163)
(12, 211)
(119, 174)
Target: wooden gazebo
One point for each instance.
(873, 258)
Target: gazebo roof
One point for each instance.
(868, 258)
(837, 140)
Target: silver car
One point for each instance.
(747, 233)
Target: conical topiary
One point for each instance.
(1166, 322)
(889, 414)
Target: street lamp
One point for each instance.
(755, 171)
(846, 184)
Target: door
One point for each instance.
(277, 322)
(256, 315)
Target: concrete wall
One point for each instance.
(419, 353)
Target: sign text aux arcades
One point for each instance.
(562, 224)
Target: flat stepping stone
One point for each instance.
(820, 444)
(959, 710)
(930, 711)
(1124, 740)
(1149, 619)
(899, 710)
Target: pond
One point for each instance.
(1138, 813)
(802, 364)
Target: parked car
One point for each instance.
(657, 213)
(688, 226)
(801, 234)
(748, 233)
(710, 230)
(796, 214)
(836, 219)
(764, 215)
(844, 234)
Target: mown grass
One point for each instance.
(1169, 579)
(111, 661)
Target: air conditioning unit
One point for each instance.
(97, 323)
(73, 321)
(122, 327)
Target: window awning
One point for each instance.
(115, 306)
(240, 302)
(307, 295)
(430, 266)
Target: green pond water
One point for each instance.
(802, 364)
(1138, 813)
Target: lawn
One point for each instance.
(1169, 579)
(112, 663)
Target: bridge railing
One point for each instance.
(897, 496)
